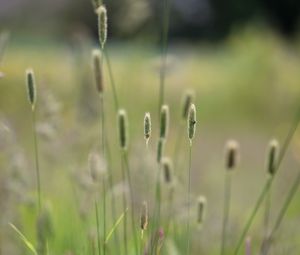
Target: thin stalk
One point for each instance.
(282, 212)
(124, 208)
(170, 208)
(227, 199)
(112, 81)
(36, 156)
(98, 227)
(127, 167)
(267, 213)
(104, 215)
(189, 199)
(268, 183)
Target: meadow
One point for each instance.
(246, 89)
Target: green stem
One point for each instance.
(104, 215)
(189, 199)
(98, 228)
(36, 156)
(282, 212)
(267, 213)
(227, 199)
(125, 155)
(124, 208)
(268, 183)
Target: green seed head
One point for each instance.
(160, 149)
(102, 24)
(188, 98)
(31, 90)
(167, 170)
(144, 216)
(232, 154)
(97, 68)
(272, 157)
(192, 122)
(164, 121)
(147, 126)
(122, 122)
(201, 208)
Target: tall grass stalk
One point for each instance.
(191, 128)
(231, 162)
(268, 182)
(97, 227)
(282, 212)
(32, 96)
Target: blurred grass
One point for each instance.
(247, 88)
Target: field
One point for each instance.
(247, 89)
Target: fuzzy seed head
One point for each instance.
(97, 68)
(201, 208)
(232, 154)
(123, 123)
(188, 98)
(167, 170)
(147, 126)
(97, 167)
(273, 157)
(31, 90)
(144, 216)
(102, 24)
(192, 122)
(164, 121)
(160, 149)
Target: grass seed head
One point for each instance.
(232, 154)
(167, 170)
(272, 156)
(201, 208)
(160, 149)
(147, 126)
(192, 122)
(97, 68)
(123, 123)
(102, 24)
(164, 121)
(144, 216)
(188, 98)
(31, 87)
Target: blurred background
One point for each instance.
(241, 57)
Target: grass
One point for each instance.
(227, 105)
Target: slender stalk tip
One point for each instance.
(147, 126)
(192, 122)
(31, 87)
(123, 129)
(98, 70)
(102, 24)
(164, 121)
(201, 209)
(272, 156)
(231, 154)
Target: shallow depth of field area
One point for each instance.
(75, 181)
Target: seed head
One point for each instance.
(122, 121)
(192, 122)
(272, 156)
(97, 166)
(188, 98)
(97, 68)
(167, 170)
(147, 126)
(201, 208)
(31, 90)
(102, 24)
(232, 154)
(160, 149)
(144, 216)
(164, 121)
